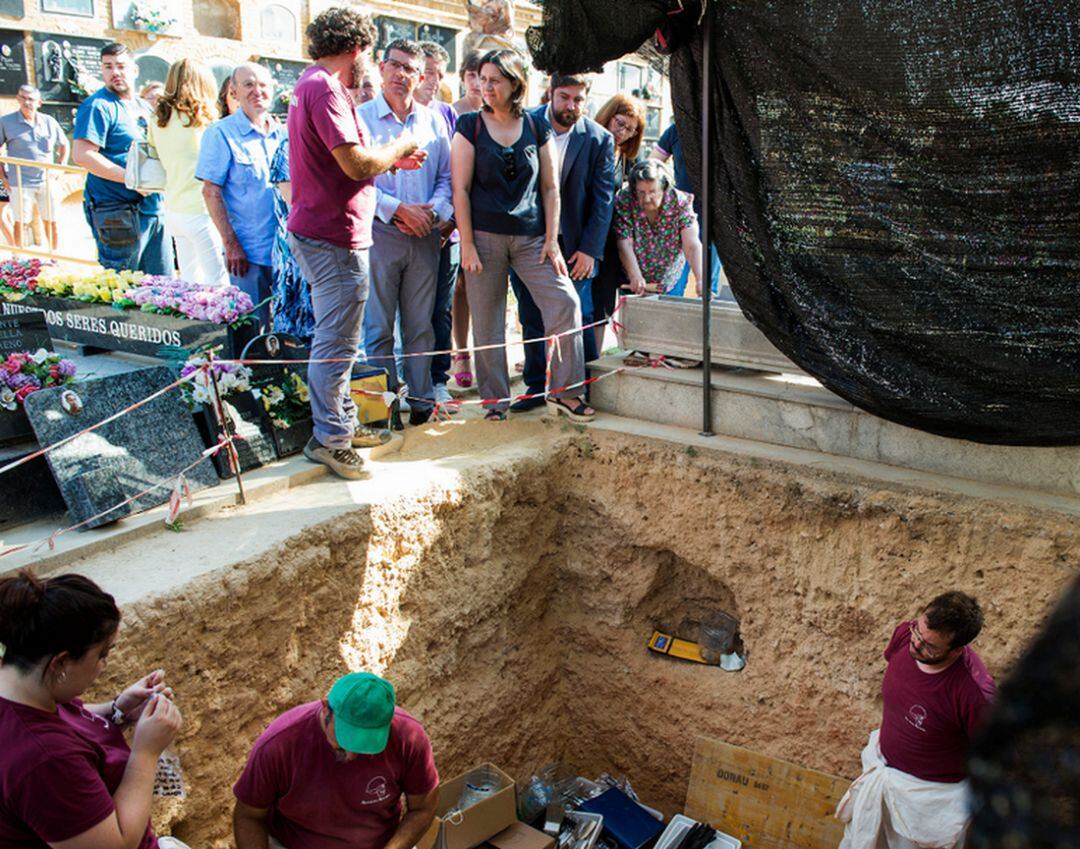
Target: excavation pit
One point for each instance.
(509, 594)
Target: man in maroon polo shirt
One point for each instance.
(936, 690)
(330, 774)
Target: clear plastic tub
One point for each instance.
(582, 816)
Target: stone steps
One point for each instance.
(796, 411)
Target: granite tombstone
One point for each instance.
(281, 388)
(285, 73)
(68, 67)
(20, 333)
(13, 67)
(141, 449)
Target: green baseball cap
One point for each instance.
(363, 706)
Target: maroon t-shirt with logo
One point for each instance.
(319, 802)
(928, 719)
(58, 774)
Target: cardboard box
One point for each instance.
(521, 836)
(466, 829)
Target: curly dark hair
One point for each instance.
(338, 31)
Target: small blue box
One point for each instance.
(625, 821)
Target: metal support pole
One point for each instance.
(705, 285)
(227, 429)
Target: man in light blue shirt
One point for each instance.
(411, 206)
(30, 134)
(234, 165)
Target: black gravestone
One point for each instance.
(60, 60)
(29, 491)
(144, 447)
(151, 69)
(64, 113)
(20, 333)
(389, 29)
(444, 37)
(13, 68)
(254, 442)
(26, 332)
(280, 346)
(285, 73)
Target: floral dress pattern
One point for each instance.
(291, 294)
(658, 247)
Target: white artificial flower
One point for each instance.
(40, 355)
(7, 399)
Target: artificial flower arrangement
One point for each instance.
(286, 400)
(149, 16)
(23, 373)
(126, 290)
(231, 378)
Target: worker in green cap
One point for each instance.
(330, 774)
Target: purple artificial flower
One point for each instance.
(67, 368)
(18, 381)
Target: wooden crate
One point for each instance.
(764, 802)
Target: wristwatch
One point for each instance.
(117, 716)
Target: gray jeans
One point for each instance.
(339, 287)
(554, 295)
(404, 272)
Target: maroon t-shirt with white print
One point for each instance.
(928, 718)
(58, 774)
(319, 802)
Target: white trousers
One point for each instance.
(198, 248)
(888, 809)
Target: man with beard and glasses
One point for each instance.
(332, 170)
(128, 226)
(913, 789)
(332, 773)
(586, 167)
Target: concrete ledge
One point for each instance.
(260, 484)
(798, 412)
(672, 326)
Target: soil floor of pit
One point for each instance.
(507, 576)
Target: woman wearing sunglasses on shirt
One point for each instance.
(506, 203)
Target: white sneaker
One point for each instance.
(404, 406)
(442, 394)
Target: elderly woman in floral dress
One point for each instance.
(655, 230)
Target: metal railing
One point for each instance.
(53, 171)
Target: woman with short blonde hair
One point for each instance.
(184, 111)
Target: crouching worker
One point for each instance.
(67, 776)
(913, 790)
(330, 774)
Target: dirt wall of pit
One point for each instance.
(512, 610)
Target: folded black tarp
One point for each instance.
(896, 194)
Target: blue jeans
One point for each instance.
(532, 327)
(128, 238)
(449, 263)
(257, 285)
(339, 288)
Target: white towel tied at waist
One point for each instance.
(923, 814)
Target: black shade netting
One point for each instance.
(1025, 765)
(896, 192)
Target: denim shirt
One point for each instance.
(428, 184)
(237, 157)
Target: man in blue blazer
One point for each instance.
(586, 154)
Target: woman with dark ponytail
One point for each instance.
(67, 776)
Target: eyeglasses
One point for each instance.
(931, 652)
(624, 126)
(407, 70)
(509, 163)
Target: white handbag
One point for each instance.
(144, 171)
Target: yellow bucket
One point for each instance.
(367, 386)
